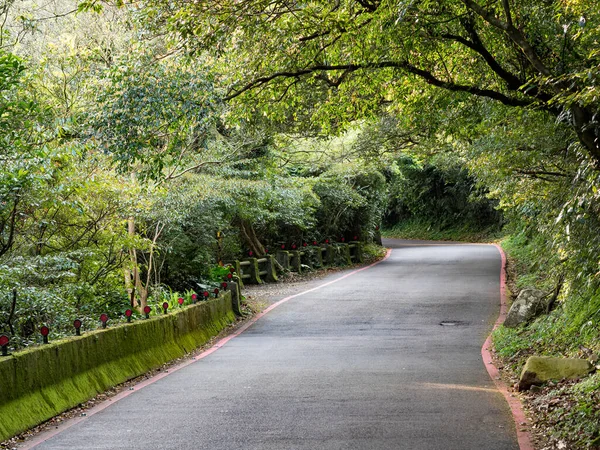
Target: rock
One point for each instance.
(593, 358)
(529, 304)
(540, 369)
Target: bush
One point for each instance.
(352, 202)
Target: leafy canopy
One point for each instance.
(329, 63)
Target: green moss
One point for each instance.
(546, 368)
(42, 382)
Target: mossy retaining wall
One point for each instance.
(41, 382)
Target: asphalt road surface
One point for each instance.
(359, 364)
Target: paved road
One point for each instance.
(360, 364)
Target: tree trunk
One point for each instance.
(133, 282)
(251, 240)
(249, 236)
(556, 293)
(13, 307)
(586, 131)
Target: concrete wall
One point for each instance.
(41, 382)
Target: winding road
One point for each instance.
(363, 363)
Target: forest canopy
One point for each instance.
(351, 59)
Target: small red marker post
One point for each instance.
(103, 319)
(282, 246)
(128, 314)
(216, 292)
(266, 251)
(224, 285)
(4, 340)
(45, 331)
(206, 295)
(250, 253)
(165, 307)
(147, 310)
(231, 269)
(293, 246)
(77, 324)
(180, 301)
(229, 276)
(194, 298)
(304, 244)
(343, 239)
(315, 243)
(327, 241)
(356, 238)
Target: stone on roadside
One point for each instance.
(539, 369)
(529, 304)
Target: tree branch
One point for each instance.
(5, 246)
(173, 175)
(477, 45)
(543, 172)
(427, 76)
(334, 83)
(513, 33)
(513, 82)
(315, 35)
(581, 116)
(506, 7)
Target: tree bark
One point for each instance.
(13, 307)
(249, 236)
(131, 272)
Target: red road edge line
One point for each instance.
(44, 436)
(522, 423)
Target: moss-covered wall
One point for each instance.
(42, 382)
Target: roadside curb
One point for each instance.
(522, 423)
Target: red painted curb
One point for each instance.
(45, 435)
(522, 423)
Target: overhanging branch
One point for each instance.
(513, 33)
(400, 65)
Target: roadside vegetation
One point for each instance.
(144, 142)
(124, 183)
(438, 200)
(565, 414)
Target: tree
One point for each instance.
(348, 59)
(155, 117)
(20, 156)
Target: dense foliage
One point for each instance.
(344, 60)
(119, 168)
(439, 195)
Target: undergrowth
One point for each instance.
(373, 252)
(419, 229)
